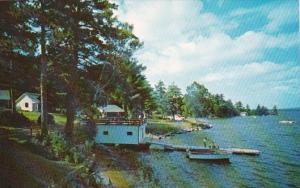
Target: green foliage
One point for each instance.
(174, 100)
(239, 107)
(64, 150)
(59, 145)
(168, 101)
(199, 102)
(88, 145)
(160, 127)
(261, 111)
(160, 98)
(14, 119)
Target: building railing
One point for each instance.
(112, 121)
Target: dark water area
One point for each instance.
(278, 165)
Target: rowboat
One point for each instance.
(240, 151)
(209, 156)
(286, 122)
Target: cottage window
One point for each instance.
(105, 132)
(26, 104)
(129, 133)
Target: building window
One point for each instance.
(129, 133)
(105, 132)
(26, 104)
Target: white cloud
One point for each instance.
(263, 70)
(217, 49)
(282, 15)
(179, 36)
(183, 43)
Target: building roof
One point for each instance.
(34, 96)
(111, 108)
(4, 95)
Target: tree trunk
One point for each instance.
(72, 88)
(70, 113)
(12, 100)
(11, 83)
(43, 81)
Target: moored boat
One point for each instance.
(240, 151)
(286, 122)
(209, 156)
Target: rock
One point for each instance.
(101, 179)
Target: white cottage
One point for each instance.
(113, 129)
(28, 102)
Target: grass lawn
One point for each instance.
(118, 178)
(159, 126)
(59, 118)
(33, 116)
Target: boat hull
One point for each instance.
(209, 157)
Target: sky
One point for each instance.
(247, 50)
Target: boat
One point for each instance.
(240, 151)
(209, 156)
(168, 148)
(286, 122)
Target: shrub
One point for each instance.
(88, 145)
(50, 119)
(14, 119)
(76, 157)
(59, 145)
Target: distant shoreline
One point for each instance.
(286, 109)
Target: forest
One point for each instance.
(199, 102)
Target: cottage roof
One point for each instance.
(111, 108)
(4, 95)
(34, 96)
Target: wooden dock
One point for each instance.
(174, 147)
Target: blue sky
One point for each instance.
(247, 50)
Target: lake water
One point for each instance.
(277, 166)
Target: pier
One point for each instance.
(174, 147)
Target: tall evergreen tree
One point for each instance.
(161, 98)
(175, 100)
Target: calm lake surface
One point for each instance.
(277, 166)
